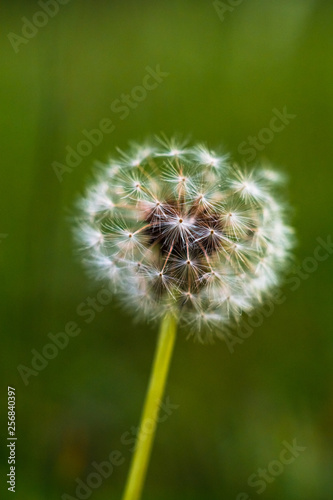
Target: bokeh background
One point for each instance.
(225, 78)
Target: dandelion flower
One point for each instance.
(169, 217)
(184, 236)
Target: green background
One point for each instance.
(235, 410)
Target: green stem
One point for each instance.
(154, 396)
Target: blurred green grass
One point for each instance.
(224, 80)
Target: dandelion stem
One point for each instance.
(137, 473)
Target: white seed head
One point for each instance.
(180, 229)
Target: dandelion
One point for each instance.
(185, 237)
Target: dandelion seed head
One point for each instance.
(181, 229)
